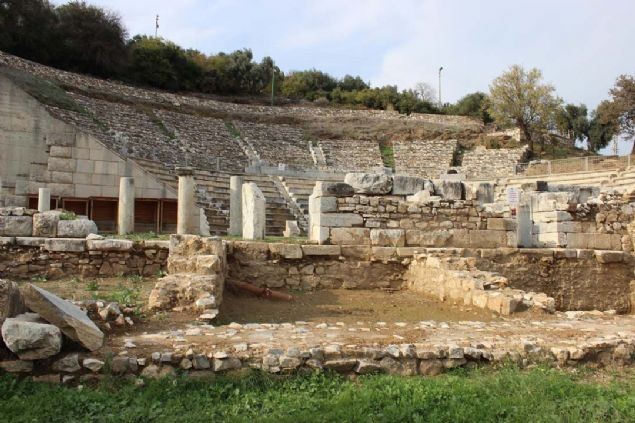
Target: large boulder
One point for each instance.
(406, 185)
(78, 228)
(16, 225)
(369, 183)
(11, 302)
(45, 224)
(73, 322)
(31, 340)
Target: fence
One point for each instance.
(572, 165)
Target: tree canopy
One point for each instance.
(519, 97)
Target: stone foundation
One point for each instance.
(52, 258)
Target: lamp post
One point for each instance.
(440, 69)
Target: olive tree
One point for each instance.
(521, 98)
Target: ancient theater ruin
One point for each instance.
(293, 237)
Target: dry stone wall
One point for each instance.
(427, 158)
(351, 154)
(490, 163)
(53, 258)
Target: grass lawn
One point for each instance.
(503, 395)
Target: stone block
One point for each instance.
(600, 241)
(449, 190)
(16, 226)
(61, 165)
(552, 201)
(322, 204)
(605, 257)
(109, 245)
(78, 228)
(253, 211)
(11, 301)
(362, 252)
(369, 183)
(29, 241)
(321, 250)
(578, 241)
(566, 227)
(288, 251)
(388, 237)
(62, 190)
(501, 224)
(488, 239)
(61, 177)
(550, 240)
(65, 245)
(481, 192)
(337, 220)
(384, 253)
(406, 185)
(551, 216)
(436, 238)
(319, 234)
(31, 340)
(350, 236)
(332, 189)
(45, 224)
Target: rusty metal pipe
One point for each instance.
(262, 292)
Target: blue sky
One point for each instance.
(580, 45)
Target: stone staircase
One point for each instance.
(300, 189)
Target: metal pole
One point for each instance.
(440, 69)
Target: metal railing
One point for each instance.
(573, 165)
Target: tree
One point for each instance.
(520, 98)
(425, 92)
(28, 29)
(603, 126)
(352, 83)
(309, 84)
(93, 40)
(474, 105)
(572, 121)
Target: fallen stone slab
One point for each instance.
(71, 320)
(406, 185)
(45, 224)
(109, 244)
(332, 189)
(31, 340)
(65, 245)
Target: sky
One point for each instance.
(581, 46)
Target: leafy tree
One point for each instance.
(603, 126)
(520, 98)
(162, 64)
(93, 39)
(28, 29)
(352, 83)
(572, 121)
(310, 84)
(474, 104)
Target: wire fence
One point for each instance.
(576, 164)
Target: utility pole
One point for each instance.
(273, 80)
(156, 27)
(440, 69)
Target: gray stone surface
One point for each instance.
(16, 225)
(68, 364)
(68, 317)
(31, 340)
(109, 244)
(11, 301)
(332, 189)
(369, 183)
(186, 221)
(235, 206)
(291, 229)
(125, 210)
(78, 228)
(449, 190)
(44, 200)
(65, 245)
(253, 210)
(45, 224)
(406, 185)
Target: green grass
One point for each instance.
(44, 91)
(387, 155)
(141, 236)
(505, 395)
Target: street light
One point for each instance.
(440, 69)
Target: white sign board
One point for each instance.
(513, 196)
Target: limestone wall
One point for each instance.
(293, 266)
(52, 258)
(427, 158)
(392, 221)
(39, 150)
(490, 163)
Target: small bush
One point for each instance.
(68, 215)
